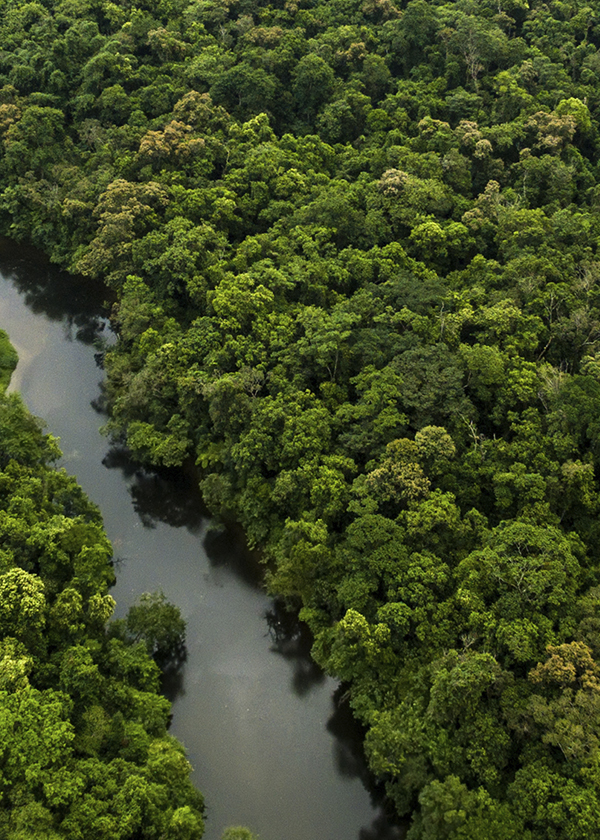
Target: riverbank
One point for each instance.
(269, 746)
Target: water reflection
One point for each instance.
(168, 496)
(226, 548)
(172, 497)
(292, 640)
(47, 290)
(348, 734)
(382, 828)
(173, 676)
(351, 762)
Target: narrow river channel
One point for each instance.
(270, 745)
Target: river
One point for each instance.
(271, 746)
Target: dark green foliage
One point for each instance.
(354, 246)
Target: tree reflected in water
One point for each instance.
(77, 301)
(226, 548)
(351, 762)
(172, 497)
(173, 675)
(291, 639)
(168, 496)
(383, 829)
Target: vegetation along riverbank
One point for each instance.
(354, 248)
(85, 750)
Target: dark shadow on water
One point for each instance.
(77, 301)
(167, 496)
(173, 675)
(226, 548)
(351, 762)
(118, 458)
(349, 754)
(382, 828)
(292, 639)
(172, 497)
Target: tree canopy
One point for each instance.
(354, 249)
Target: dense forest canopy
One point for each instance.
(84, 745)
(354, 247)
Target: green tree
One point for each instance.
(158, 624)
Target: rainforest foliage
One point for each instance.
(84, 749)
(354, 246)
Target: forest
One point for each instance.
(352, 248)
(84, 748)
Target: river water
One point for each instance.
(271, 746)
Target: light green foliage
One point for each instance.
(157, 623)
(238, 832)
(515, 589)
(8, 360)
(23, 606)
(82, 727)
